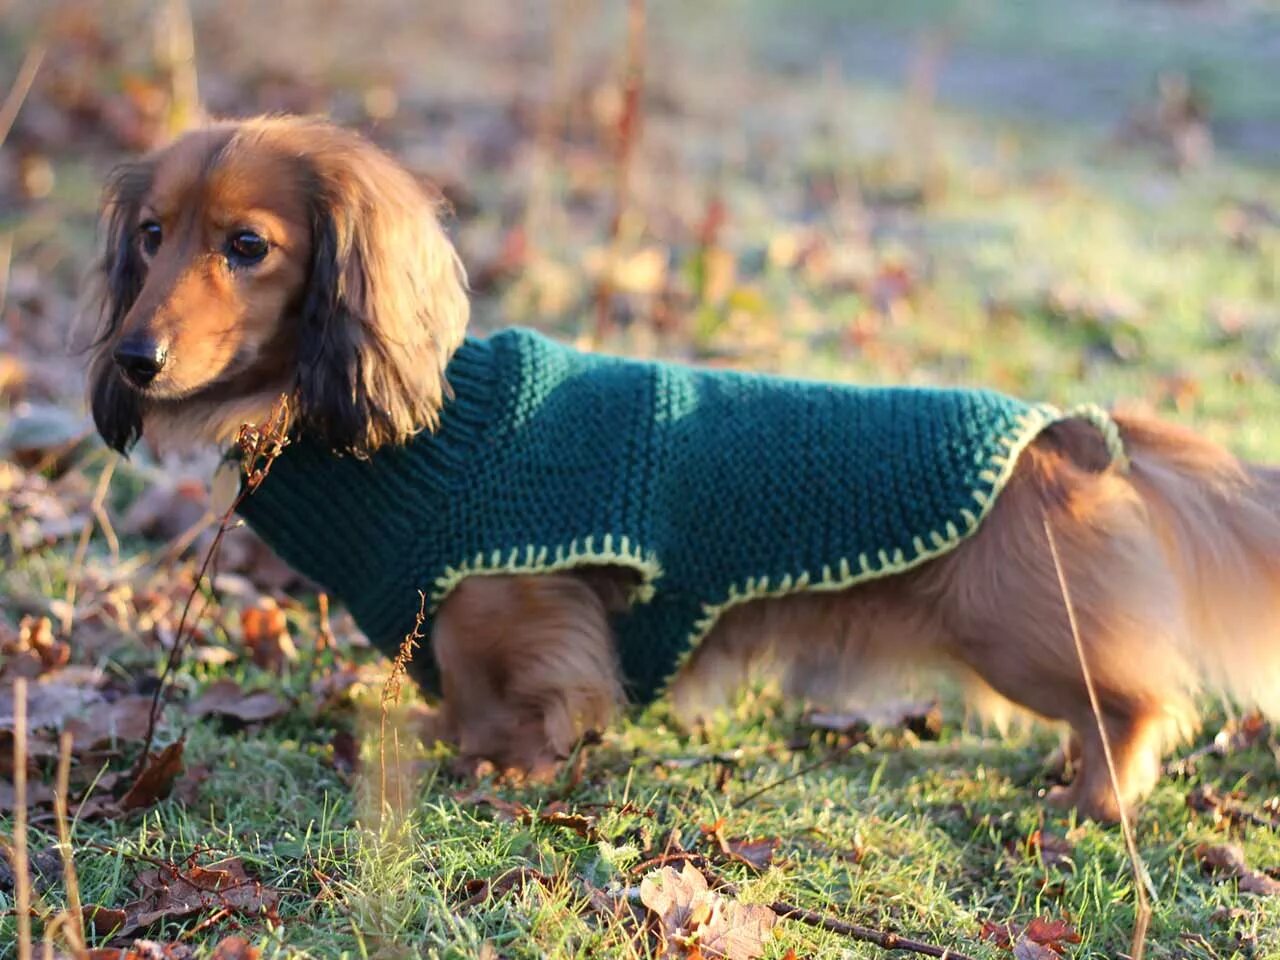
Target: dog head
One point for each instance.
(272, 256)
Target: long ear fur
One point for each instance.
(117, 410)
(385, 305)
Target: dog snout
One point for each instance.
(140, 359)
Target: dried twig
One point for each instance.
(98, 512)
(259, 445)
(1142, 916)
(807, 768)
(881, 938)
(628, 136)
(391, 694)
(176, 50)
(74, 922)
(21, 873)
(21, 87)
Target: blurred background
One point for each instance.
(1061, 200)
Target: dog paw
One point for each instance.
(1061, 797)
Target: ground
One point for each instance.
(1068, 203)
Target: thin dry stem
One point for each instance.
(176, 50)
(882, 938)
(21, 873)
(97, 511)
(21, 87)
(1142, 917)
(72, 919)
(259, 445)
(628, 136)
(391, 695)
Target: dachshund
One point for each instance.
(287, 256)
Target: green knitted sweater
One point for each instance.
(715, 487)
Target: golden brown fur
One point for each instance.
(1173, 567)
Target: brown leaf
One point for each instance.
(266, 633)
(1053, 851)
(756, 853)
(143, 950)
(155, 782)
(503, 809)
(1227, 860)
(234, 948)
(125, 719)
(165, 511)
(693, 918)
(51, 701)
(33, 650)
(225, 699)
(104, 921)
(481, 890)
(1050, 933)
(171, 893)
(346, 753)
(1001, 934)
(558, 815)
(1026, 949)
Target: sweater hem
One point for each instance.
(580, 552)
(866, 567)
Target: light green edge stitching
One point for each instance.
(999, 469)
(614, 551)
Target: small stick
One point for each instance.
(391, 694)
(74, 925)
(808, 768)
(881, 938)
(96, 511)
(18, 92)
(259, 444)
(1142, 917)
(21, 873)
(628, 135)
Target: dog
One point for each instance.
(287, 256)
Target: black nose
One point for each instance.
(140, 360)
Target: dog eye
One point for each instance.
(150, 233)
(246, 247)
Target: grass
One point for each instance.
(1025, 255)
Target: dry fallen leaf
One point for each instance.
(155, 782)
(234, 948)
(266, 634)
(755, 852)
(225, 699)
(503, 809)
(697, 921)
(1041, 939)
(558, 815)
(33, 650)
(173, 892)
(1026, 949)
(125, 719)
(1227, 860)
(1053, 851)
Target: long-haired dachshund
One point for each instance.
(286, 256)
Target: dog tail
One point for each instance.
(1219, 522)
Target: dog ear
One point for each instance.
(120, 273)
(385, 304)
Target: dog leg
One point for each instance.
(1136, 740)
(527, 666)
(1006, 613)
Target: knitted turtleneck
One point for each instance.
(714, 487)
